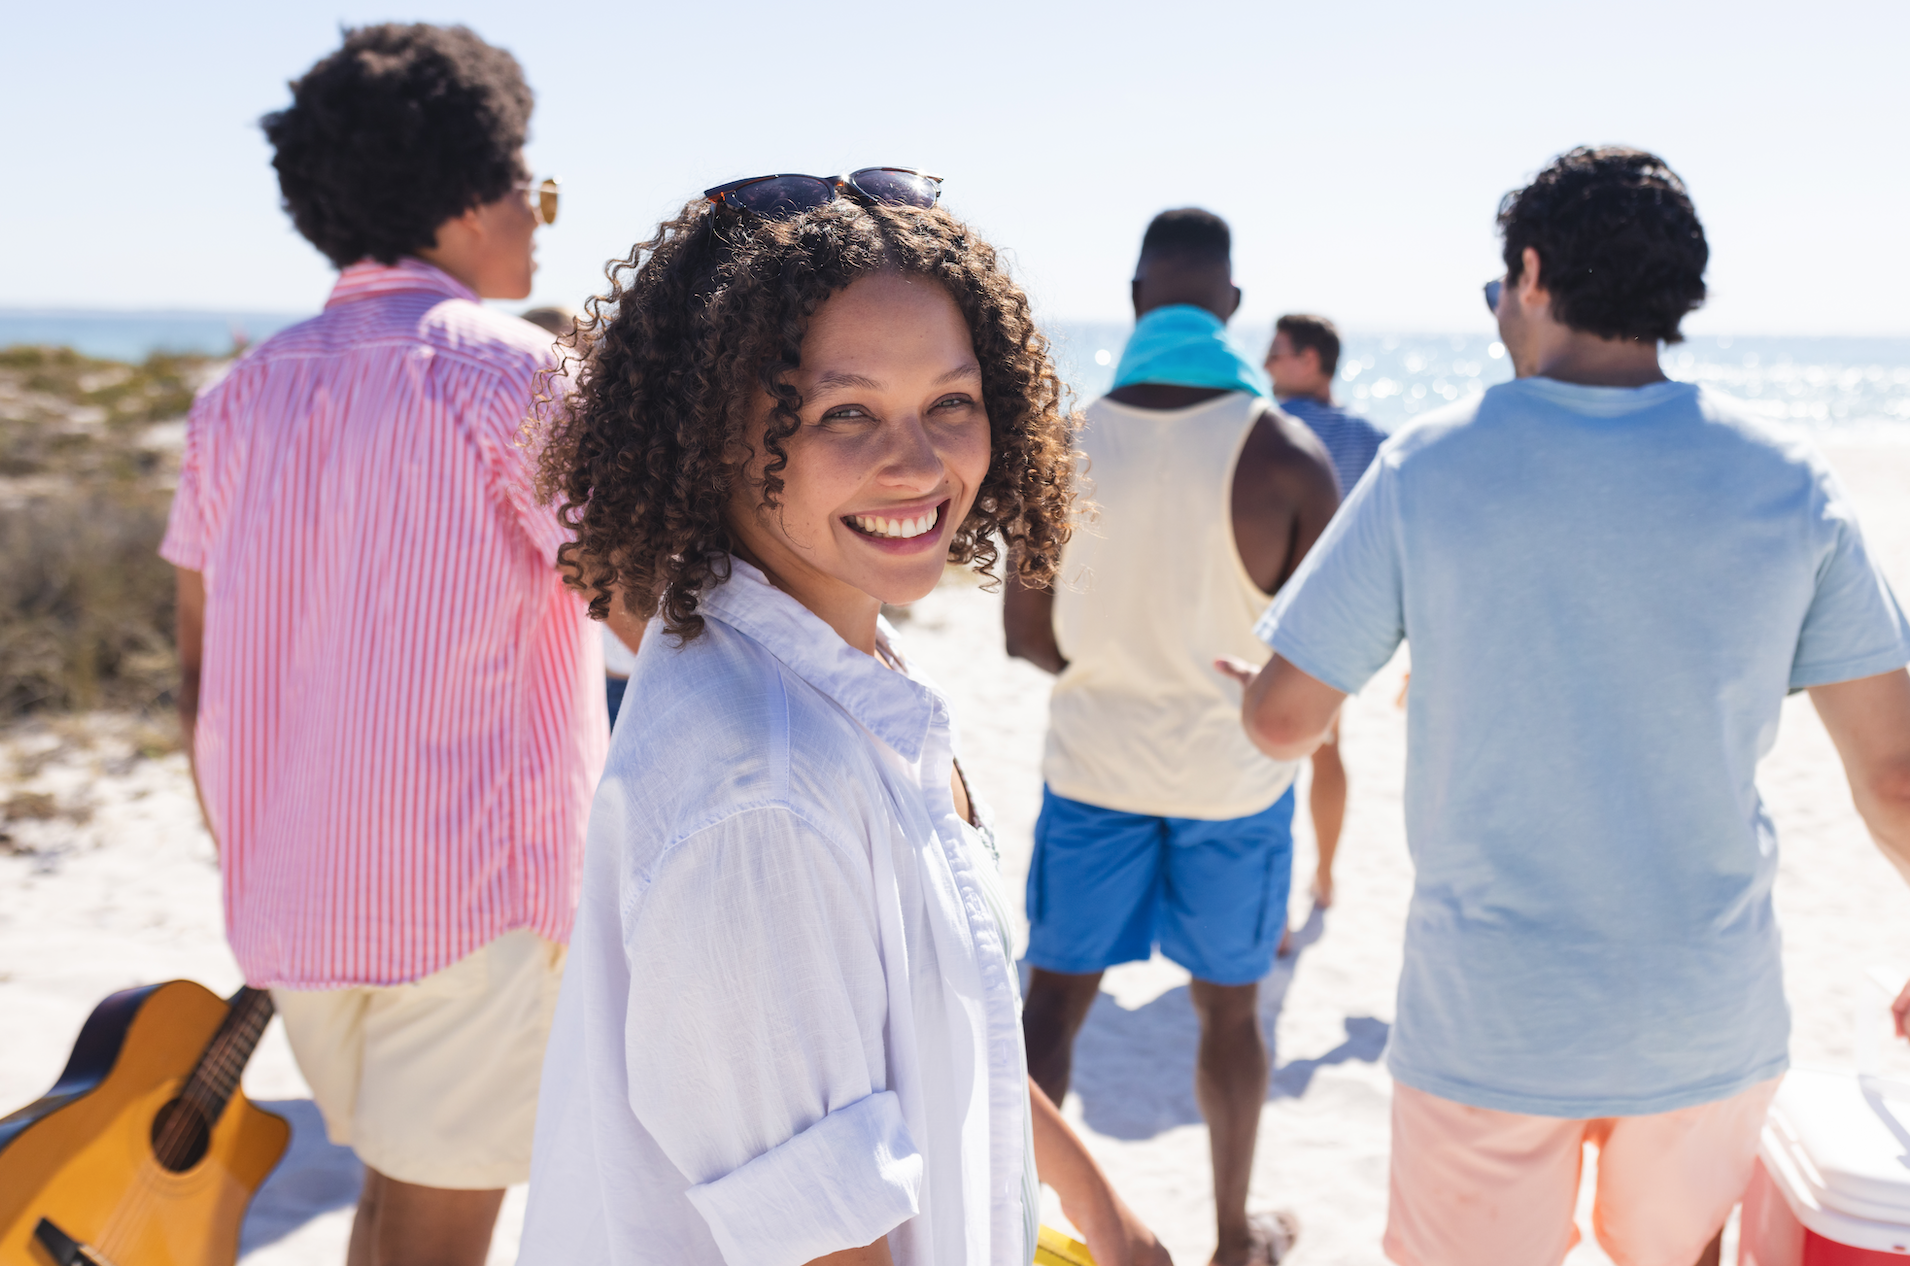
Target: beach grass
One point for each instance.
(89, 454)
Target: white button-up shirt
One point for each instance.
(789, 1024)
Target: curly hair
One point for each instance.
(401, 129)
(1620, 247)
(646, 448)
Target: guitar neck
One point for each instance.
(217, 1075)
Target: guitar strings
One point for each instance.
(130, 1213)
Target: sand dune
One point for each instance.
(111, 882)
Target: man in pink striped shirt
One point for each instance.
(395, 708)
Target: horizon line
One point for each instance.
(1371, 331)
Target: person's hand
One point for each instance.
(1116, 1237)
(1901, 1010)
(1239, 669)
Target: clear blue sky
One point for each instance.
(1358, 148)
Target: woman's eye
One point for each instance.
(846, 413)
(954, 402)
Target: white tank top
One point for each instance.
(1151, 590)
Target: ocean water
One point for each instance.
(133, 336)
(1848, 385)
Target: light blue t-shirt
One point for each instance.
(1608, 592)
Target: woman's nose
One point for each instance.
(912, 460)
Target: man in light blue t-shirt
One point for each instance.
(1610, 582)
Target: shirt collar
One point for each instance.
(1602, 401)
(368, 277)
(893, 706)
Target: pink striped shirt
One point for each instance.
(401, 714)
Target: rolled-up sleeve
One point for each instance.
(755, 1039)
(788, 1204)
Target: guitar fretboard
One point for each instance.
(210, 1087)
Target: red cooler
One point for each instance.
(1832, 1184)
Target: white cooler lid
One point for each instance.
(1846, 1141)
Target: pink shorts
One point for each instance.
(1478, 1187)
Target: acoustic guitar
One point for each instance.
(145, 1152)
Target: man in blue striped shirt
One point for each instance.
(1302, 361)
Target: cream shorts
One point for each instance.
(434, 1082)
(1476, 1187)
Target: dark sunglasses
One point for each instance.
(1493, 289)
(781, 196)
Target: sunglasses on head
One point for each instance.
(1494, 289)
(542, 195)
(781, 196)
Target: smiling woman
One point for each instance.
(892, 450)
(791, 1027)
(728, 343)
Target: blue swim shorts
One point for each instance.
(1105, 887)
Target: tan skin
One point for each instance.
(1283, 494)
(489, 248)
(1296, 372)
(893, 427)
(1288, 713)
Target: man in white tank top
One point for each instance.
(1161, 824)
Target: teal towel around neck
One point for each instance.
(1185, 346)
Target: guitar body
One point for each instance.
(83, 1155)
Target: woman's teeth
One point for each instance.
(900, 529)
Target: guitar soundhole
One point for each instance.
(180, 1136)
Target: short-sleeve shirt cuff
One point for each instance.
(1284, 645)
(844, 1182)
(1804, 676)
(181, 548)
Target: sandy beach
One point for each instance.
(111, 882)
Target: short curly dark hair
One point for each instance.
(401, 129)
(1305, 331)
(1620, 247)
(647, 446)
(1189, 231)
